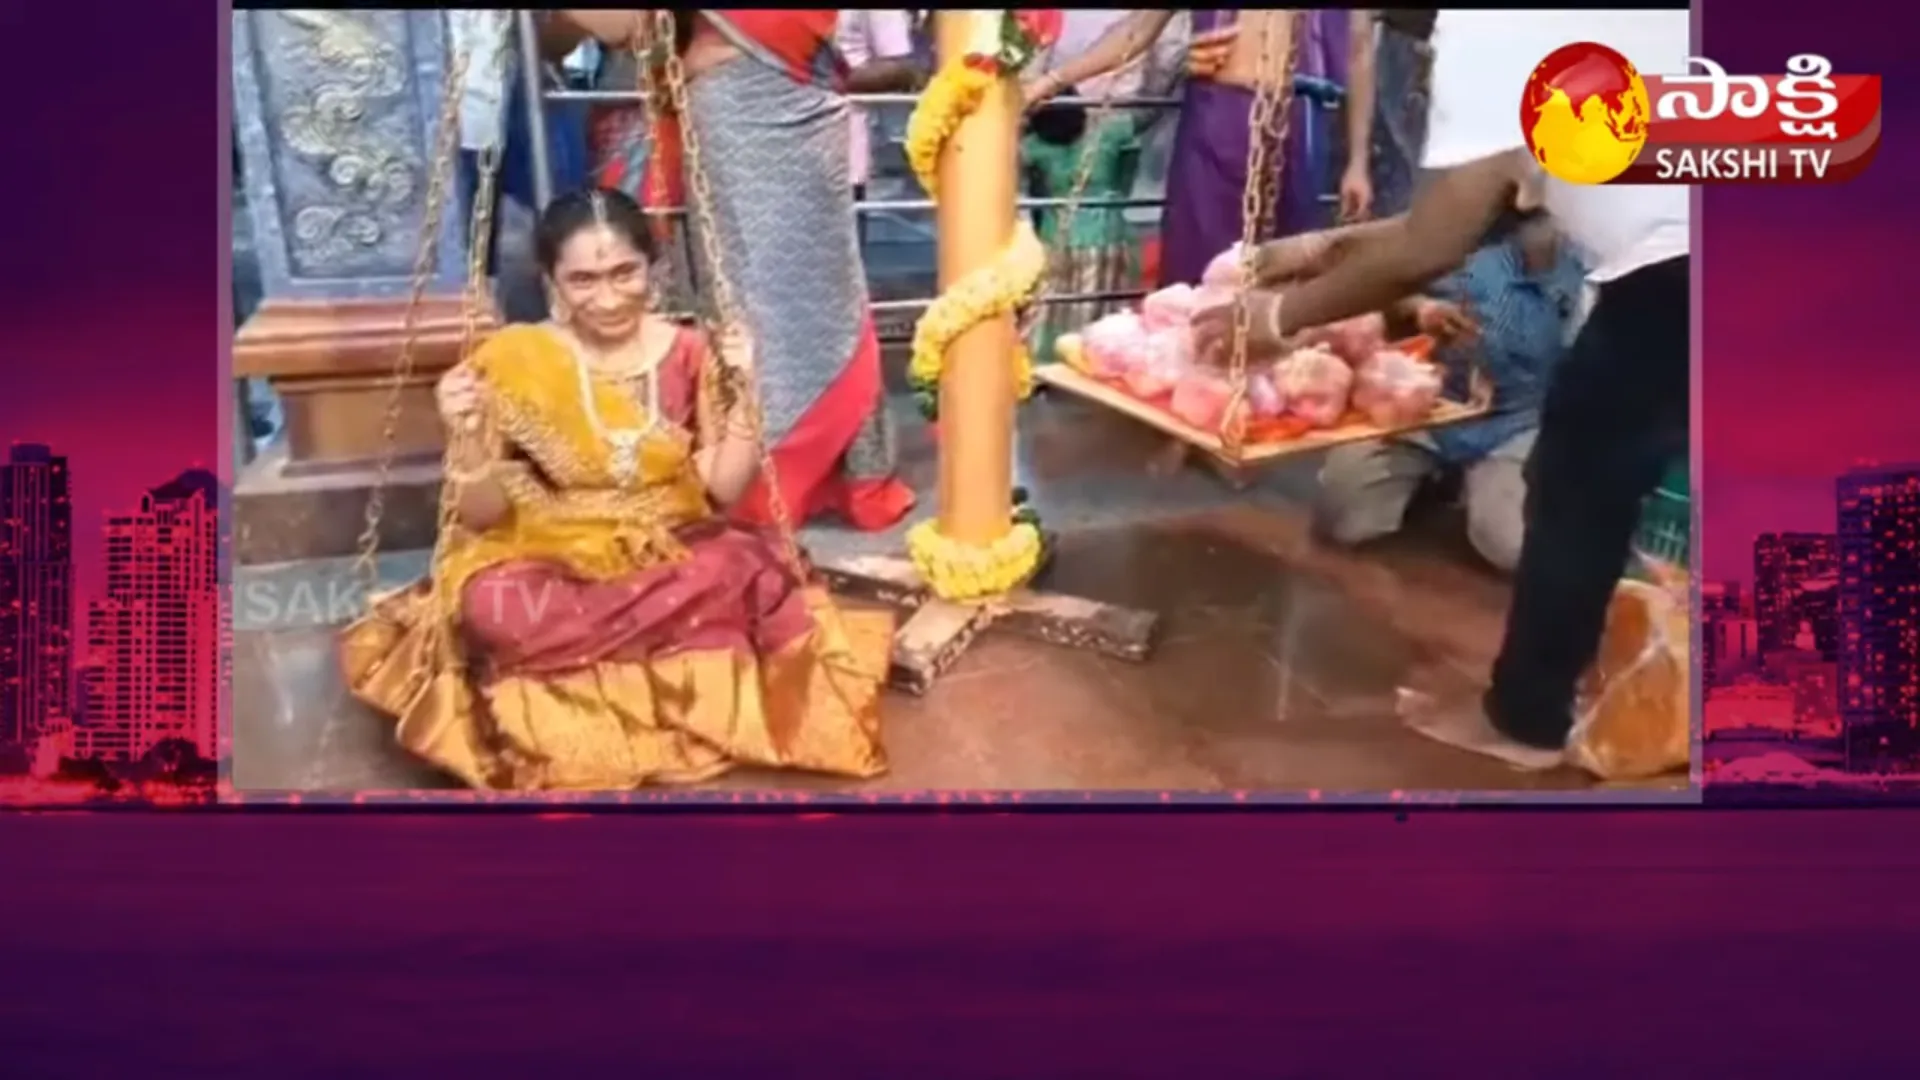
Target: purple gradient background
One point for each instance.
(1312, 944)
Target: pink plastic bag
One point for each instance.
(1315, 384)
(1224, 270)
(1395, 389)
(1200, 398)
(1211, 296)
(1633, 714)
(1114, 345)
(1354, 340)
(1166, 356)
(1264, 399)
(1171, 307)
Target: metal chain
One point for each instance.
(1083, 174)
(446, 150)
(1266, 158)
(743, 393)
(700, 204)
(474, 299)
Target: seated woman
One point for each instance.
(592, 622)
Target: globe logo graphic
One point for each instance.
(1584, 113)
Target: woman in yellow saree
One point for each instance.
(593, 622)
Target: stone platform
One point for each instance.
(1277, 670)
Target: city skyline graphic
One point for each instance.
(131, 668)
(1816, 667)
(1809, 668)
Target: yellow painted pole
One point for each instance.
(978, 178)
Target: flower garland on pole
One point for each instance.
(999, 45)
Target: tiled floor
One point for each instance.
(1277, 670)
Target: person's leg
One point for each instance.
(1616, 413)
(469, 185)
(1496, 491)
(1365, 488)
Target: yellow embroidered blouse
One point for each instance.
(536, 436)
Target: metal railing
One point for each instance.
(538, 96)
(1322, 92)
(916, 303)
(632, 97)
(925, 206)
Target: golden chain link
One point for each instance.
(745, 394)
(446, 151)
(1083, 174)
(1266, 158)
(1095, 120)
(473, 297)
(700, 204)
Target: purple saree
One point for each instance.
(1208, 173)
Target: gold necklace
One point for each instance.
(623, 444)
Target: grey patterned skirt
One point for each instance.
(775, 153)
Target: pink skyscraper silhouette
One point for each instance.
(36, 595)
(154, 658)
(1879, 549)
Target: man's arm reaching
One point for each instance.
(1306, 255)
(1123, 43)
(1372, 266)
(1446, 223)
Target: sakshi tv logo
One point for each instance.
(1590, 118)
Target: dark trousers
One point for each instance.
(1614, 418)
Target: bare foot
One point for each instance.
(1464, 726)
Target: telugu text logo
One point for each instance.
(1590, 118)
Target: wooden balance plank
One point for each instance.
(1073, 382)
(1076, 623)
(930, 641)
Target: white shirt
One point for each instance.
(1481, 61)
(483, 97)
(862, 37)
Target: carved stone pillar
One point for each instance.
(338, 114)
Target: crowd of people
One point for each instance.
(1484, 253)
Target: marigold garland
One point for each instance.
(956, 571)
(964, 572)
(1007, 284)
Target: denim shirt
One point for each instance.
(1523, 319)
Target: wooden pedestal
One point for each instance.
(332, 365)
